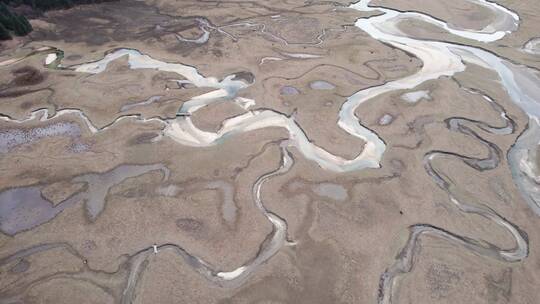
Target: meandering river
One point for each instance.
(440, 58)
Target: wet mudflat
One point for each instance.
(377, 151)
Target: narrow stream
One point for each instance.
(232, 278)
(439, 59)
(447, 59)
(182, 129)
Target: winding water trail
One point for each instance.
(439, 59)
(135, 264)
(24, 208)
(405, 259)
(182, 129)
(446, 59)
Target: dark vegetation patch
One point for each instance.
(116, 21)
(27, 76)
(144, 138)
(14, 13)
(189, 225)
(244, 75)
(45, 5)
(12, 23)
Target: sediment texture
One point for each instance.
(164, 151)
